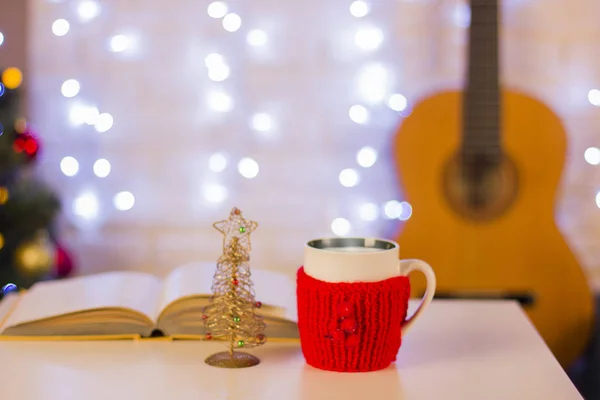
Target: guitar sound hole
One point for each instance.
(479, 190)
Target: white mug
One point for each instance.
(342, 259)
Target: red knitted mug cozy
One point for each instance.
(351, 327)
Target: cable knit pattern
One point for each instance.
(351, 327)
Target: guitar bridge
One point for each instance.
(525, 299)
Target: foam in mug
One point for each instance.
(352, 296)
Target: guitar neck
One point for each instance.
(481, 102)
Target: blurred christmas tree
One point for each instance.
(28, 208)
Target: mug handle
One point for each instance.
(408, 266)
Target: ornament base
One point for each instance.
(235, 360)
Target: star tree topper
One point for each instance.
(236, 226)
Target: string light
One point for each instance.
(91, 116)
(217, 162)
(220, 101)
(594, 97)
(86, 206)
(262, 122)
(80, 113)
(104, 122)
(359, 114)
(232, 22)
(340, 226)
(366, 157)
(373, 82)
(218, 70)
(119, 43)
(397, 102)
(88, 10)
(12, 77)
(392, 209)
(248, 168)
(256, 37)
(214, 60)
(359, 9)
(406, 212)
(60, 27)
(102, 168)
(461, 15)
(124, 201)
(368, 39)
(69, 166)
(592, 155)
(75, 114)
(349, 177)
(215, 193)
(1, 38)
(218, 73)
(70, 88)
(368, 212)
(217, 9)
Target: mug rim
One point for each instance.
(384, 245)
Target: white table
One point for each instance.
(458, 350)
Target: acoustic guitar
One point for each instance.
(481, 169)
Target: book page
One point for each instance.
(194, 279)
(135, 290)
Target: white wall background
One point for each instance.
(307, 76)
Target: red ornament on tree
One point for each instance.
(28, 144)
(64, 264)
(235, 281)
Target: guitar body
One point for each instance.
(518, 251)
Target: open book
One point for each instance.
(136, 304)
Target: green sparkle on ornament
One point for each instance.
(236, 319)
(242, 229)
(240, 343)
